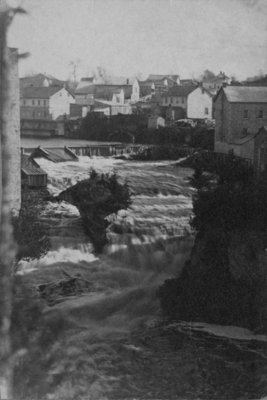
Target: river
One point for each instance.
(109, 342)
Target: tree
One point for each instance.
(207, 74)
(101, 75)
(7, 245)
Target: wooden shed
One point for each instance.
(32, 175)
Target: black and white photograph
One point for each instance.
(133, 200)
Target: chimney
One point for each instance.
(127, 81)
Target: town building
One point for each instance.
(176, 98)
(161, 83)
(214, 83)
(200, 104)
(113, 99)
(32, 175)
(48, 103)
(142, 90)
(241, 115)
(40, 80)
(169, 80)
(84, 82)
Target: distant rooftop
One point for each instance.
(158, 77)
(103, 91)
(38, 79)
(39, 92)
(179, 91)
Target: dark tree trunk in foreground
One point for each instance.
(7, 247)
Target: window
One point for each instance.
(24, 102)
(44, 114)
(182, 99)
(39, 102)
(33, 102)
(260, 113)
(206, 111)
(245, 114)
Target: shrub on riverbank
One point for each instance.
(96, 198)
(225, 280)
(29, 233)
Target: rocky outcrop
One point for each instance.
(224, 281)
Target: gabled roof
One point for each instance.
(54, 154)
(188, 82)
(38, 79)
(105, 92)
(257, 82)
(209, 92)
(244, 94)
(39, 92)
(179, 91)
(84, 82)
(30, 167)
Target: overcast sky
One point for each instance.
(148, 36)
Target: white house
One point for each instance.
(45, 102)
(115, 97)
(199, 104)
(142, 90)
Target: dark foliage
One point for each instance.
(96, 198)
(224, 280)
(120, 128)
(30, 234)
(133, 129)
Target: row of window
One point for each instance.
(39, 114)
(172, 100)
(246, 114)
(36, 102)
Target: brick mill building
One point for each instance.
(241, 115)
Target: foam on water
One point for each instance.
(61, 255)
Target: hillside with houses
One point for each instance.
(50, 107)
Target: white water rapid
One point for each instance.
(148, 243)
(160, 210)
